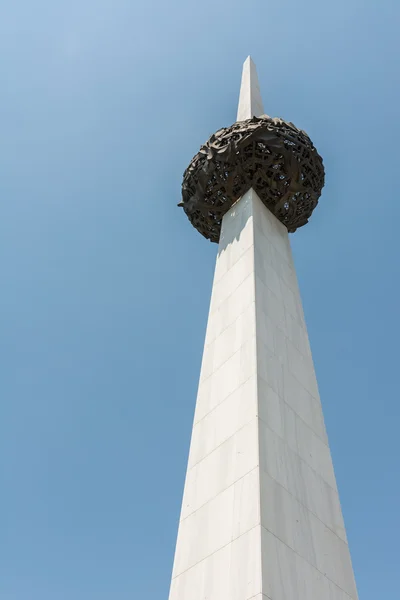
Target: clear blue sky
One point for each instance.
(105, 286)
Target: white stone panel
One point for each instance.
(280, 462)
(288, 576)
(287, 272)
(302, 369)
(333, 557)
(237, 238)
(301, 401)
(233, 373)
(228, 342)
(271, 368)
(266, 271)
(269, 304)
(230, 461)
(243, 241)
(276, 414)
(220, 384)
(246, 578)
(229, 310)
(204, 531)
(231, 280)
(272, 335)
(294, 525)
(291, 302)
(286, 467)
(224, 421)
(234, 336)
(246, 510)
(315, 452)
(287, 518)
(209, 578)
(272, 233)
(297, 334)
(231, 573)
(272, 412)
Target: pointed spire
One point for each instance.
(250, 101)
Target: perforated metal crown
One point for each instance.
(269, 155)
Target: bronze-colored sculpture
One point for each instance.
(272, 156)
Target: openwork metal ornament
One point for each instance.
(272, 156)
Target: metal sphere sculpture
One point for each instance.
(272, 156)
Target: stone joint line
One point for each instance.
(273, 478)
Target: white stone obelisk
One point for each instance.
(261, 517)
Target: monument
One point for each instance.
(261, 517)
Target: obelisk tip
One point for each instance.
(250, 101)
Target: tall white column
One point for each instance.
(261, 517)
